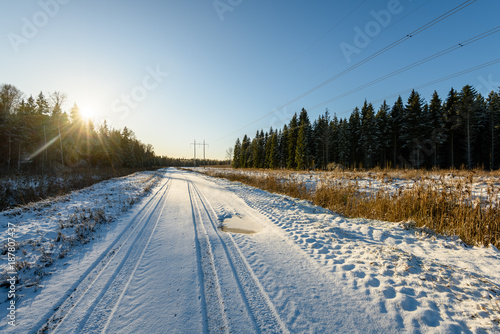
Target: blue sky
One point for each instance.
(178, 70)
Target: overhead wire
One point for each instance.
(332, 28)
(367, 59)
(433, 82)
(450, 76)
(383, 50)
(415, 64)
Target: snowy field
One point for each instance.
(479, 189)
(198, 254)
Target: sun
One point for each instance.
(86, 112)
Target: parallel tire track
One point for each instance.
(259, 306)
(211, 291)
(83, 290)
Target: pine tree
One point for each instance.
(354, 137)
(245, 154)
(301, 154)
(283, 147)
(274, 151)
(413, 127)
(292, 142)
(344, 143)
(437, 126)
(42, 105)
(383, 133)
(304, 138)
(367, 140)
(396, 117)
(323, 137)
(237, 154)
(493, 104)
(467, 112)
(452, 123)
(333, 139)
(256, 152)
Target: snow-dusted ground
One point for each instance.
(478, 190)
(166, 266)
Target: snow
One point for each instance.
(165, 265)
(480, 190)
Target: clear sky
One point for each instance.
(175, 71)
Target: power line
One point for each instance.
(194, 143)
(383, 50)
(408, 67)
(331, 29)
(367, 59)
(450, 76)
(433, 82)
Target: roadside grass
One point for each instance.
(21, 189)
(79, 227)
(441, 201)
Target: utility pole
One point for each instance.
(204, 148)
(194, 160)
(194, 143)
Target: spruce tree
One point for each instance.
(383, 134)
(396, 117)
(42, 105)
(452, 123)
(367, 140)
(333, 139)
(237, 154)
(467, 112)
(245, 152)
(344, 143)
(304, 138)
(292, 142)
(413, 128)
(354, 126)
(493, 104)
(437, 126)
(284, 147)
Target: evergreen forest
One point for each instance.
(461, 130)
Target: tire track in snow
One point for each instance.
(119, 250)
(259, 306)
(130, 276)
(216, 319)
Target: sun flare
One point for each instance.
(86, 112)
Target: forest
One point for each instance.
(37, 136)
(459, 131)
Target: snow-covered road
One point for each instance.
(168, 267)
(175, 271)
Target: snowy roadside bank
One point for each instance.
(48, 230)
(419, 280)
(449, 205)
(281, 265)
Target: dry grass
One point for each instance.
(437, 201)
(21, 189)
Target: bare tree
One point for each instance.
(57, 99)
(10, 96)
(229, 154)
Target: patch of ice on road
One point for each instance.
(240, 224)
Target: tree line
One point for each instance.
(462, 130)
(37, 135)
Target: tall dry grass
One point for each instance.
(435, 201)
